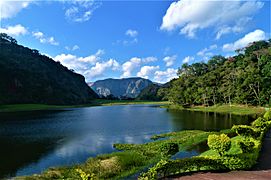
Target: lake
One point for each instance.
(33, 141)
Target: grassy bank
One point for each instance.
(100, 102)
(130, 159)
(104, 102)
(233, 109)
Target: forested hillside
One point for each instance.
(26, 76)
(243, 79)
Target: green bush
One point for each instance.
(219, 143)
(168, 149)
(241, 161)
(267, 115)
(262, 124)
(246, 145)
(247, 131)
(173, 167)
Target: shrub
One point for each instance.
(262, 124)
(168, 149)
(267, 115)
(247, 131)
(173, 167)
(219, 143)
(246, 145)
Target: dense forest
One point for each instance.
(243, 79)
(26, 76)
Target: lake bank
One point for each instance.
(233, 109)
(39, 107)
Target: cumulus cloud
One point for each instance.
(225, 16)
(146, 71)
(101, 67)
(14, 30)
(188, 59)
(73, 48)
(131, 33)
(170, 60)
(256, 35)
(44, 39)
(10, 9)
(129, 66)
(81, 11)
(165, 76)
(91, 66)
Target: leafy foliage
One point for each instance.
(242, 79)
(169, 149)
(247, 131)
(220, 143)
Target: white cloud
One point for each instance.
(170, 60)
(146, 71)
(131, 33)
(44, 39)
(75, 47)
(101, 67)
(91, 66)
(71, 61)
(188, 59)
(10, 9)
(206, 53)
(165, 76)
(14, 30)
(225, 16)
(81, 11)
(149, 59)
(256, 35)
(130, 40)
(129, 66)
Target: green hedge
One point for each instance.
(168, 149)
(247, 131)
(219, 143)
(238, 153)
(172, 167)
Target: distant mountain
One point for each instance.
(120, 88)
(26, 76)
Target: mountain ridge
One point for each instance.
(120, 88)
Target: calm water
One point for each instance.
(30, 142)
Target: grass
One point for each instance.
(104, 102)
(29, 107)
(99, 102)
(130, 159)
(233, 109)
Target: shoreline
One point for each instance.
(233, 109)
(41, 107)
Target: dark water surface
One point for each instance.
(30, 142)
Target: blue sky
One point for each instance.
(150, 39)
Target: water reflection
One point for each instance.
(33, 141)
(205, 120)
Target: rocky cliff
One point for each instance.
(120, 88)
